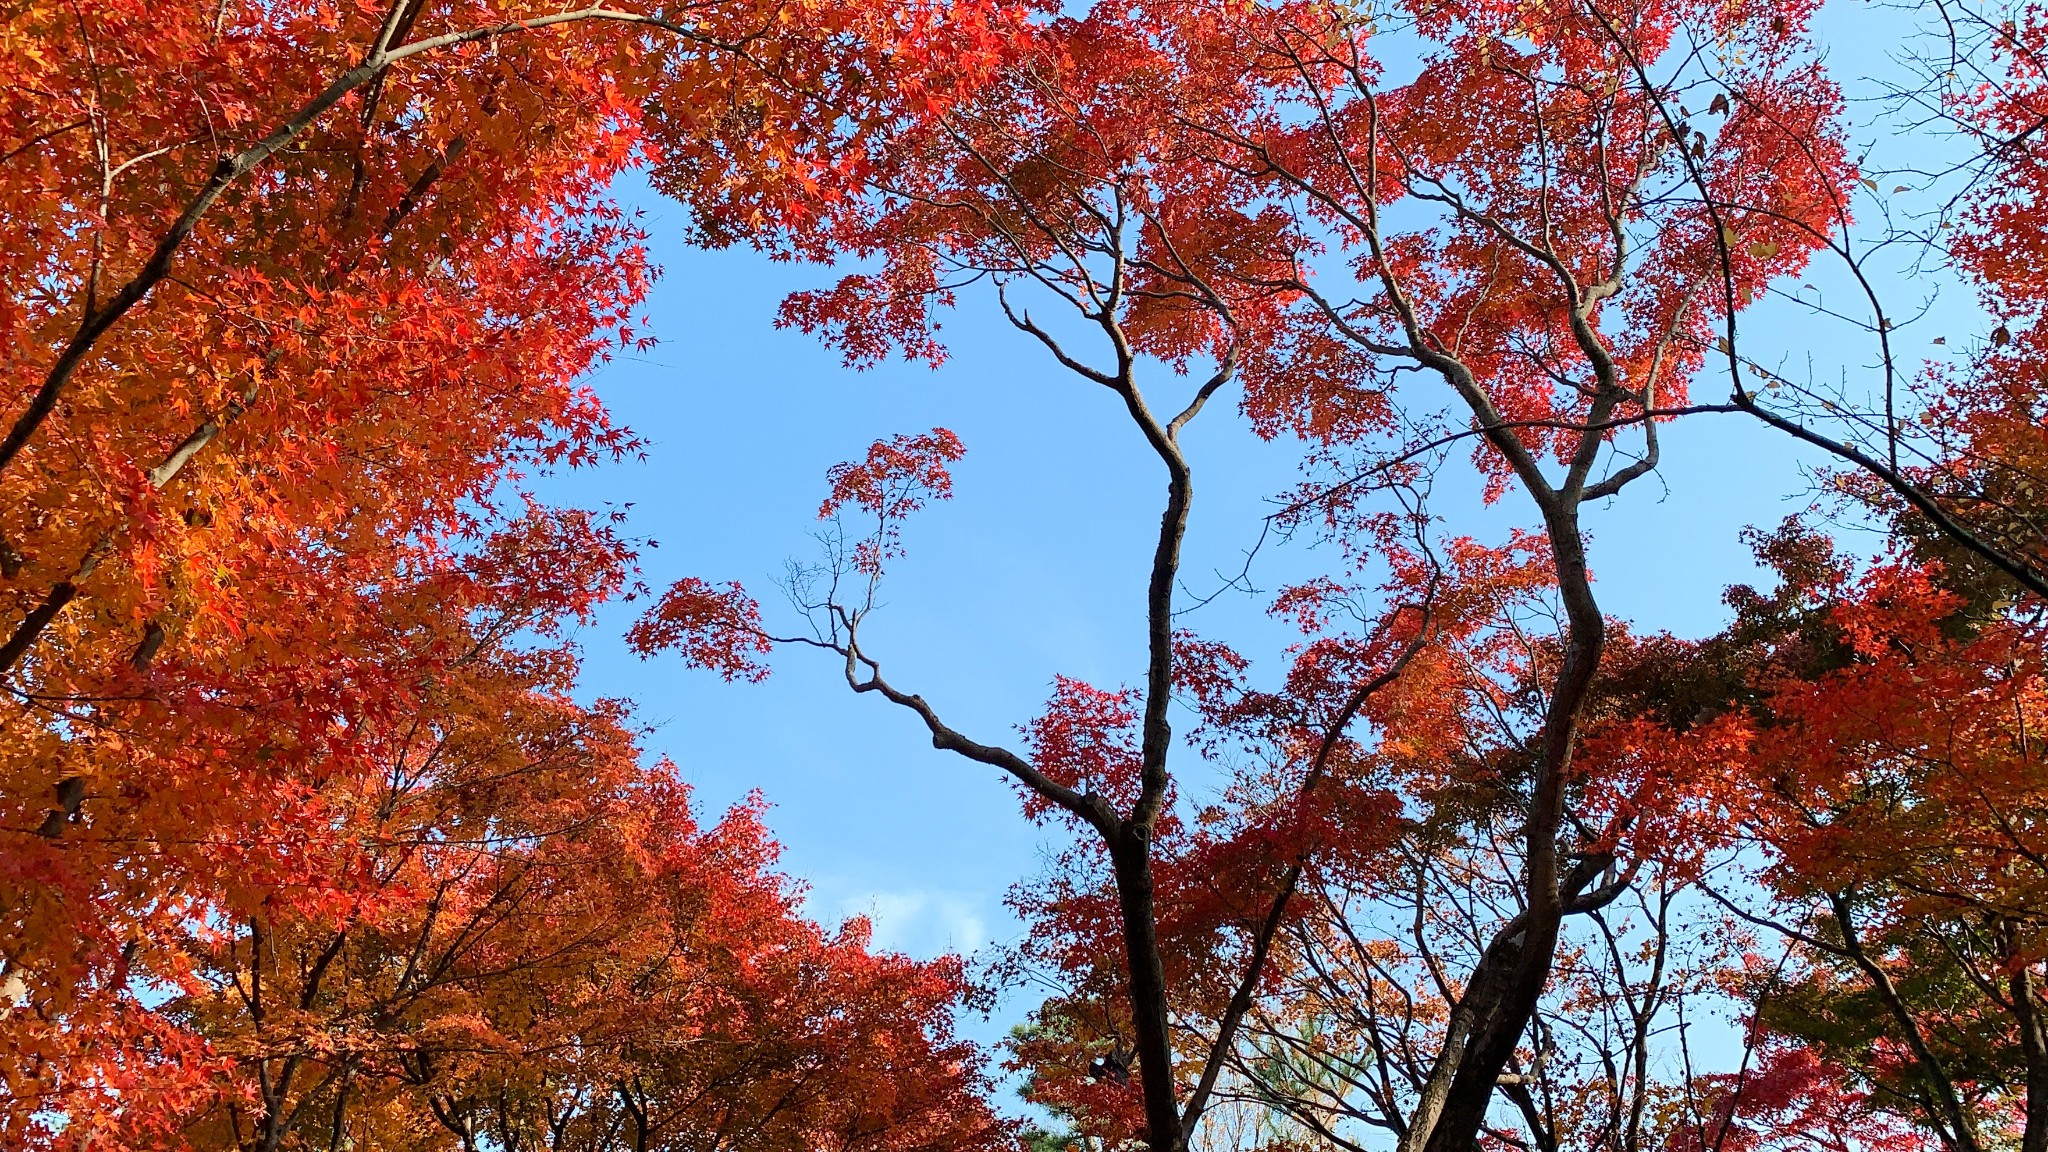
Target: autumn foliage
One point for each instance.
(307, 840)
(304, 831)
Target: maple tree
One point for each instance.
(509, 932)
(1887, 707)
(304, 299)
(573, 967)
(307, 842)
(1176, 180)
(1895, 841)
(1951, 434)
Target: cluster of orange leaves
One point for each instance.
(288, 698)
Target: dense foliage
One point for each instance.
(306, 840)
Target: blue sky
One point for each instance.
(1037, 567)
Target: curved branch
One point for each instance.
(1088, 806)
(1276, 914)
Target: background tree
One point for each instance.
(1895, 835)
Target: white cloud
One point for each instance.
(920, 921)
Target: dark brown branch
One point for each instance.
(1276, 915)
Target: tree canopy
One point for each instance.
(308, 838)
